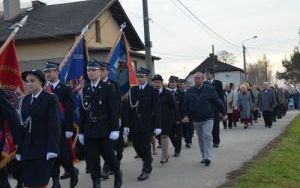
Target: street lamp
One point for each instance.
(244, 55)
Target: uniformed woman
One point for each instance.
(40, 131)
(169, 115)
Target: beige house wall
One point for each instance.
(54, 48)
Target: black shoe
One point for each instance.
(188, 145)
(165, 161)
(137, 156)
(143, 176)
(216, 145)
(56, 183)
(96, 183)
(105, 174)
(176, 155)
(118, 179)
(202, 162)
(207, 162)
(66, 175)
(74, 178)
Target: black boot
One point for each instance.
(56, 183)
(96, 183)
(118, 179)
(74, 177)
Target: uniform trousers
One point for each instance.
(95, 147)
(64, 160)
(176, 137)
(216, 129)
(188, 131)
(141, 144)
(203, 130)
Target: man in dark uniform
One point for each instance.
(118, 144)
(8, 113)
(187, 128)
(99, 125)
(66, 107)
(144, 119)
(217, 84)
(176, 131)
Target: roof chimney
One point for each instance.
(37, 4)
(11, 9)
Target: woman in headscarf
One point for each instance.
(245, 105)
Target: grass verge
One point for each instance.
(279, 167)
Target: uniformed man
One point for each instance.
(217, 84)
(118, 143)
(66, 107)
(7, 112)
(187, 128)
(144, 119)
(176, 131)
(99, 125)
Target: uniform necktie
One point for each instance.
(32, 100)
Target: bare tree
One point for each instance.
(226, 57)
(260, 72)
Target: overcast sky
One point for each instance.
(182, 44)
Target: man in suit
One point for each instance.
(66, 107)
(176, 130)
(267, 103)
(144, 119)
(9, 114)
(99, 125)
(217, 84)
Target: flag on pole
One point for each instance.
(72, 73)
(11, 82)
(120, 65)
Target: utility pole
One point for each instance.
(299, 38)
(213, 57)
(148, 43)
(245, 64)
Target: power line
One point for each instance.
(206, 26)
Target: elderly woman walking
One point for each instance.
(245, 105)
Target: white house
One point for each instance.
(224, 72)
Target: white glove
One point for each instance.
(51, 155)
(81, 138)
(157, 132)
(114, 135)
(126, 131)
(18, 157)
(69, 134)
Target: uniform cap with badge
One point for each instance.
(143, 71)
(157, 77)
(173, 79)
(93, 64)
(51, 66)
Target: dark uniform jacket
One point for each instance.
(7, 112)
(217, 84)
(179, 98)
(144, 113)
(65, 98)
(200, 104)
(169, 111)
(41, 134)
(98, 114)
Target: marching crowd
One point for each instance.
(44, 125)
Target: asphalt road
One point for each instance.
(237, 147)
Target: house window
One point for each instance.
(98, 31)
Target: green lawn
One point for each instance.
(278, 169)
